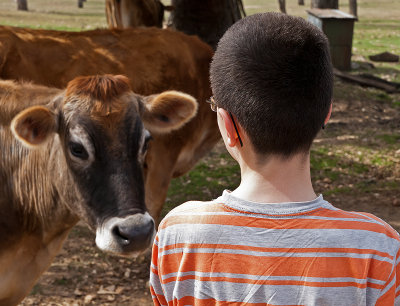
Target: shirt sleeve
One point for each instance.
(397, 283)
(391, 293)
(156, 290)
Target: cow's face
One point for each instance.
(104, 129)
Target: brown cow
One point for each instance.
(89, 144)
(153, 59)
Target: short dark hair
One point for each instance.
(274, 73)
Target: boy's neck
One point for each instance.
(276, 180)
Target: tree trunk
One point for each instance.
(22, 5)
(208, 19)
(301, 2)
(80, 3)
(353, 7)
(325, 4)
(282, 6)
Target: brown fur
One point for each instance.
(103, 94)
(154, 60)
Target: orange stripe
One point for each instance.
(189, 300)
(275, 250)
(154, 271)
(279, 224)
(318, 211)
(273, 215)
(276, 266)
(274, 282)
(388, 228)
(325, 212)
(389, 297)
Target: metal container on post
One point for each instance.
(338, 26)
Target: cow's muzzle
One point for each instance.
(126, 236)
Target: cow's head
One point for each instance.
(103, 129)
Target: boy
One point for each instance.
(273, 241)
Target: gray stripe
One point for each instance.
(155, 283)
(277, 295)
(390, 285)
(275, 278)
(397, 301)
(276, 238)
(275, 254)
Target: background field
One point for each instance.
(355, 161)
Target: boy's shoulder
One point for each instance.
(191, 208)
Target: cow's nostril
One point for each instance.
(133, 234)
(119, 233)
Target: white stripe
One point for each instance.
(274, 278)
(275, 238)
(274, 294)
(275, 254)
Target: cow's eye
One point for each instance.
(146, 142)
(78, 150)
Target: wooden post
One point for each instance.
(325, 4)
(282, 6)
(353, 7)
(22, 5)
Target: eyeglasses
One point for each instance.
(214, 108)
(212, 103)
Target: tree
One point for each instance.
(208, 19)
(80, 3)
(282, 6)
(353, 7)
(22, 5)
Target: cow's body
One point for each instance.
(79, 155)
(153, 59)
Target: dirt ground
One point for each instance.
(82, 275)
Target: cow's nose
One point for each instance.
(134, 233)
(126, 236)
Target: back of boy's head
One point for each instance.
(273, 72)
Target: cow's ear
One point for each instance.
(168, 111)
(34, 125)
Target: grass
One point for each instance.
(206, 181)
(57, 15)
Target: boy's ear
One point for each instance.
(34, 126)
(168, 111)
(232, 137)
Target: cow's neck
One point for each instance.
(35, 220)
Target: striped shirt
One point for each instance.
(229, 251)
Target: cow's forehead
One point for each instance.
(105, 100)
